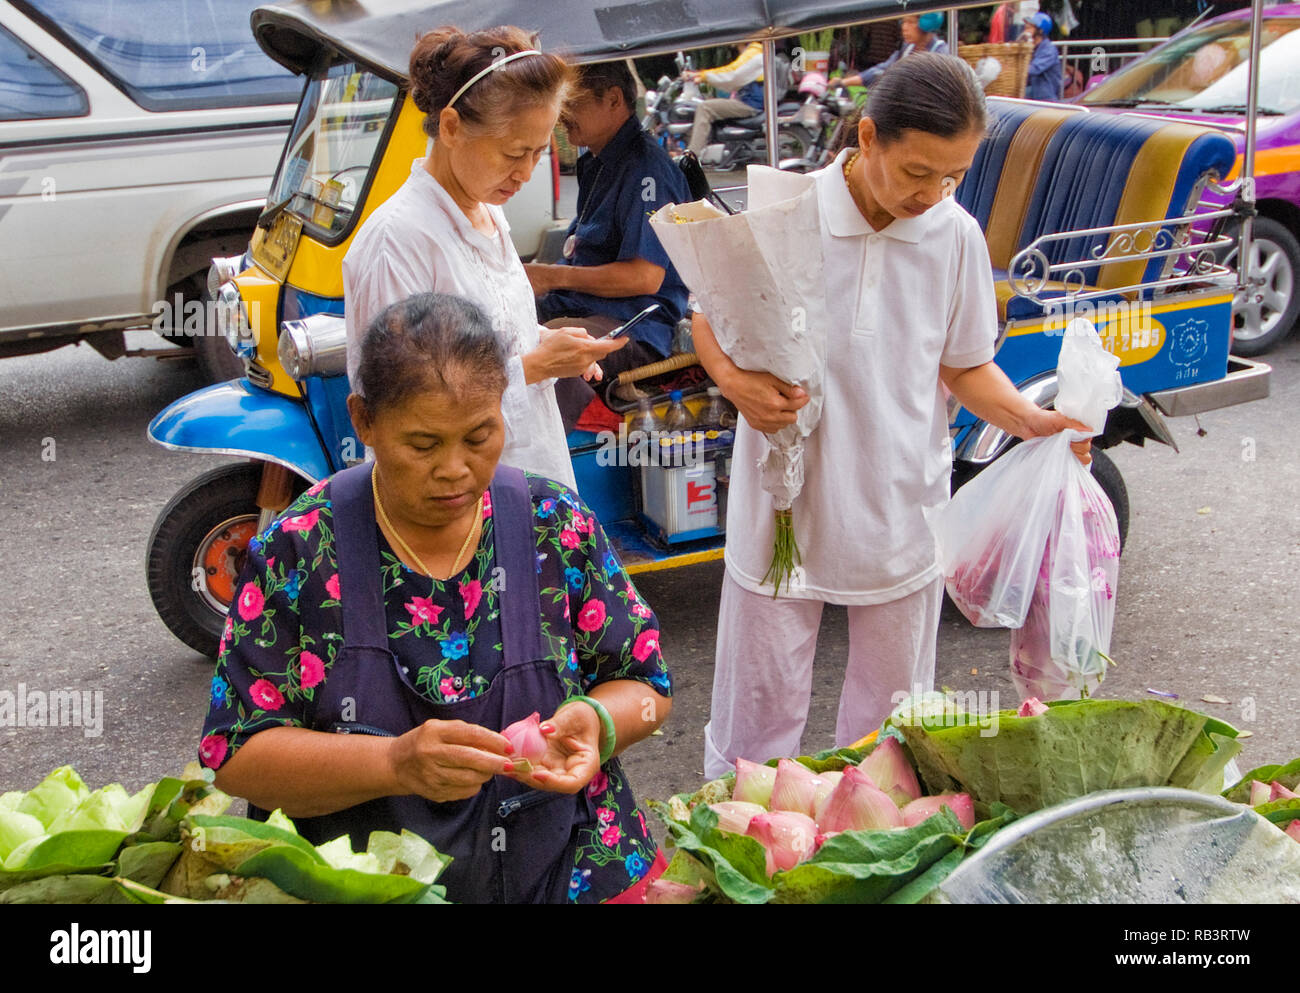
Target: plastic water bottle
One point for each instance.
(679, 418)
(644, 427)
(718, 416)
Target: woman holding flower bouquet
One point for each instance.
(912, 311)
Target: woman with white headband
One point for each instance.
(491, 101)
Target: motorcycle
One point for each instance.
(734, 143)
(825, 112)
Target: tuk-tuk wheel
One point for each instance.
(197, 550)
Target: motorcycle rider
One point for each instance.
(920, 34)
(1045, 78)
(744, 76)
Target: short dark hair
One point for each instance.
(929, 92)
(429, 340)
(598, 77)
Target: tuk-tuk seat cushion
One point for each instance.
(1048, 169)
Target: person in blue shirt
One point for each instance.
(613, 265)
(920, 34)
(1044, 80)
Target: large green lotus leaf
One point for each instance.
(175, 799)
(1288, 775)
(149, 862)
(304, 877)
(61, 791)
(738, 864)
(229, 831)
(78, 888)
(867, 866)
(71, 848)
(1075, 748)
(407, 854)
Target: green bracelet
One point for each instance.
(606, 725)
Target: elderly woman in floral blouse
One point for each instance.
(394, 620)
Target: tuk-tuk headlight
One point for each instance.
(232, 321)
(314, 346)
(222, 271)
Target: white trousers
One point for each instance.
(762, 679)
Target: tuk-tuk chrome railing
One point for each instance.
(1031, 272)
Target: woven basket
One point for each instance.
(1014, 56)
(567, 153)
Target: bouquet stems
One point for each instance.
(785, 552)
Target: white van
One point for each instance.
(137, 141)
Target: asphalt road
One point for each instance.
(1206, 602)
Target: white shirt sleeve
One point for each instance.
(973, 309)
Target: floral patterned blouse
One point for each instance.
(596, 628)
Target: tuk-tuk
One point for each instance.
(1097, 217)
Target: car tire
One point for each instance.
(1269, 314)
(207, 525)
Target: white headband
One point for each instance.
(495, 65)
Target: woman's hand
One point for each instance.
(567, 352)
(448, 760)
(572, 756)
(1040, 423)
(767, 403)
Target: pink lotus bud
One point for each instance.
(856, 805)
(925, 807)
(795, 788)
(1279, 792)
(753, 782)
(827, 781)
(787, 837)
(1259, 792)
(1032, 708)
(888, 769)
(735, 815)
(1293, 829)
(666, 891)
(526, 737)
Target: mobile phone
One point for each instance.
(622, 329)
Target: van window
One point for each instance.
(31, 88)
(172, 54)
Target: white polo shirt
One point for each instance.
(901, 301)
(420, 241)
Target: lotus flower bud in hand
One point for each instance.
(526, 737)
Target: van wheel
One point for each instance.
(197, 549)
(1267, 312)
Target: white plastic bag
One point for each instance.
(1061, 651)
(1032, 542)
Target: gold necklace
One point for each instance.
(849, 163)
(383, 517)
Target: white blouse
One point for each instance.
(420, 241)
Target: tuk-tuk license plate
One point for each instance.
(273, 248)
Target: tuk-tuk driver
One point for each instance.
(613, 265)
